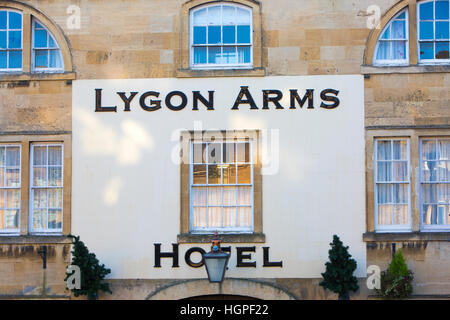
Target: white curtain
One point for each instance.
(9, 177)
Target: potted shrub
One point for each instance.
(91, 271)
(396, 281)
(338, 276)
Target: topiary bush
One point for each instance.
(396, 281)
(92, 272)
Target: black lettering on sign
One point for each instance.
(324, 95)
(98, 103)
(169, 100)
(241, 257)
(198, 97)
(127, 100)
(248, 99)
(189, 262)
(266, 262)
(159, 255)
(309, 95)
(154, 104)
(275, 100)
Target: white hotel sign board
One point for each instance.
(126, 185)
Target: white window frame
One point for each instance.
(244, 230)
(423, 226)
(394, 62)
(216, 65)
(392, 227)
(33, 50)
(31, 192)
(7, 38)
(434, 60)
(15, 231)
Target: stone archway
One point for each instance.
(257, 289)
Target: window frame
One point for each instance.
(433, 61)
(31, 191)
(392, 62)
(234, 229)
(425, 227)
(210, 66)
(21, 49)
(33, 50)
(15, 231)
(392, 227)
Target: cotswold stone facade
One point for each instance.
(150, 39)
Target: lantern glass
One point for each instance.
(216, 263)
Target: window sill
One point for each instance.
(406, 236)
(5, 76)
(226, 237)
(32, 239)
(390, 69)
(204, 73)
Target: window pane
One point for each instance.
(426, 50)
(229, 174)
(199, 219)
(399, 50)
(442, 10)
(13, 156)
(2, 156)
(214, 15)
(2, 199)
(12, 177)
(51, 42)
(244, 173)
(11, 219)
(200, 55)
(39, 177)
(243, 34)
(54, 219)
(228, 15)
(55, 198)
(214, 217)
(15, 20)
(384, 50)
(426, 11)
(41, 58)
(214, 34)
(242, 16)
(229, 34)
(14, 39)
(54, 155)
(243, 54)
(426, 30)
(2, 19)
(243, 152)
(40, 38)
(430, 170)
(199, 174)
(214, 55)
(2, 219)
(40, 198)
(15, 59)
(55, 59)
(55, 176)
(444, 149)
(400, 193)
(40, 219)
(429, 193)
(400, 150)
(13, 199)
(214, 153)
(444, 170)
(229, 196)
(385, 214)
(384, 150)
(229, 217)
(400, 171)
(384, 171)
(245, 196)
(214, 174)
(199, 35)
(245, 216)
(443, 193)
(398, 30)
(3, 39)
(387, 33)
(199, 152)
(2, 180)
(384, 193)
(3, 59)
(442, 30)
(229, 55)
(200, 17)
(442, 50)
(40, 156)
(429, 151)
(228, 153)
(199, 196)
(401, 16)
(400, 214)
